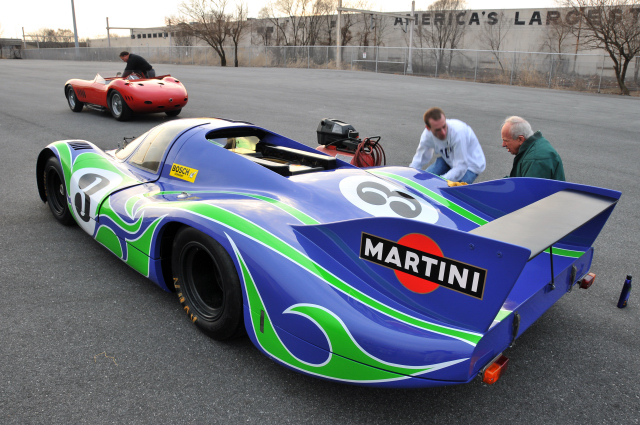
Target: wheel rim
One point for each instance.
(116, 104)
(55, 191)
(203, 281)
(72, 98)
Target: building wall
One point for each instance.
(527, 30)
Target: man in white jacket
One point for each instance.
(461, 158)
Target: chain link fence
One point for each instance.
(580, 72)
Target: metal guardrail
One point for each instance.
(581, 72)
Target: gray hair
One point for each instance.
(518, 127)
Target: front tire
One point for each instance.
(118, 107)
(207, 284)
(173, 113)
(74, 104)
(56, 191)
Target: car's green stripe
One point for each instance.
(565, 252)
(260, 235)
(108, 211)
(434, 196)
(302, 217)
(347, 360)
(106, 236)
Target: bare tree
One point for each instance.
(327, 29)
(54, 36)
(612, 25)
(302, 20)
(327, 23)
(365, 36)
(447, 29)
(374, 30)
(381, 29)
(347, 22)
(325, 11)
(267, 29)
(180, 33)
(494, 33)
(236, 28)
(208, 21)
(557, 35)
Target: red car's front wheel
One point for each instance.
(72, 99)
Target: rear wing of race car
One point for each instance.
(540, 225)
(462, 279)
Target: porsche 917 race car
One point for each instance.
(384, 276)
(124, 97)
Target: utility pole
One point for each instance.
(108, 35)
(75, 29)
(410, 66)
(339, 39)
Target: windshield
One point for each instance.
(112, 75)
(150, 147)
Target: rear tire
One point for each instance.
(74, 104)
(173, 113)
(118, 107)
(56, 191)
(207, 284)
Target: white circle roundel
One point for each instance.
(383, 199)
(88, 187)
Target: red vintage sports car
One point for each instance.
(125, 96)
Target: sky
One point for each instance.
(91, 15)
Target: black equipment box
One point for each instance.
(333, 131)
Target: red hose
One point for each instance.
(369, 153)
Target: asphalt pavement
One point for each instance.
(84, 339)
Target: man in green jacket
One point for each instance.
(535, 157)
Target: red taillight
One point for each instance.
(495, 370)
(588, 280)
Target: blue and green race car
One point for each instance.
(381, 276)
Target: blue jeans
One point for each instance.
(440, 167)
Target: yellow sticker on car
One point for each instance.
(184, 173)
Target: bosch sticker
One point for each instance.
(421, 267)
(184, 173)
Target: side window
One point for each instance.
(241, 144)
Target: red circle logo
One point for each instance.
(424, 244)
